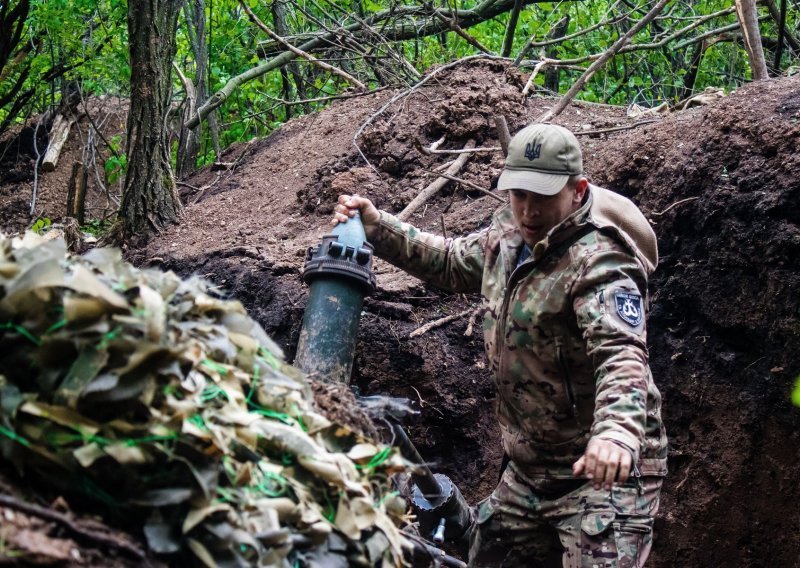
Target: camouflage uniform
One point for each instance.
(565, 337)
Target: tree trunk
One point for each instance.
(281, 21)
(748, 20)
(552, 77)
(189, 147)
(149, 196)
(508, 42)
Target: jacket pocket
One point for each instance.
(631, 535)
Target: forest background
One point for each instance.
(239, 69)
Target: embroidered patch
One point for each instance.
(533, 150)
(629, 307)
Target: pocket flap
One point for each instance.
(596, 523)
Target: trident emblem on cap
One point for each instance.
(533, 150)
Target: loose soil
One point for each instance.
(720, 185)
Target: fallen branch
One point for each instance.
(438, 323)
(67, 523)
(615, 128)
(453, 25)
(318, 99)
(58, 135)
(466, 183)
(503, 135)
(203, 189)
(471, 324)
(432, 150)
(434, 187)
(597, 65)
(297, 51)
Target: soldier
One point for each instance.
(563, 270)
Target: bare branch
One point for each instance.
(433, 188)
(330, 68)
(594, 67)
(466, 183)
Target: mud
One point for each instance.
(720, 186)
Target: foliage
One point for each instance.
(89, 39)
(97, 227)
(116, 164)
(796, 392)
(41, 225)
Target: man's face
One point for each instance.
(536, 214)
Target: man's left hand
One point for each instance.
(604, 462)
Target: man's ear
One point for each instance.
(580, 189)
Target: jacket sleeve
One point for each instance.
(452, 264)
(609, 298)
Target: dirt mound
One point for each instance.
(718, 183)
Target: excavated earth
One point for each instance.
(720, 185)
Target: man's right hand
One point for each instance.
(348, 205)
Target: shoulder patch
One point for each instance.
(629, 308)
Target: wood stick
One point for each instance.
(434, 187)
(58, 135)
(438, 323)
(335, 70)
(615, 128)
(503, 135)
(594, 67)
(453, 25)
(432, 150)
(465, 182)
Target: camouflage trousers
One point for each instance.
(546, 522)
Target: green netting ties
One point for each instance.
(283, 417)
(22, 331)
(254, 386)
(212, 392)
(377, 459)
(331, 514)
(197, 420)
(272, 484)
(214, 366)
(56, 326)
(385, 497)
(14, 436)
(107, 337)
(269, 358)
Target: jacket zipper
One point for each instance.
(501, 323)
(562, 362)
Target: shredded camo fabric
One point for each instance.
(164, 403)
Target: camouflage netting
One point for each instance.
(168, 405)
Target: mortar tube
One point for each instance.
(339, 272)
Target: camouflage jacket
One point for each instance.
(564, 331)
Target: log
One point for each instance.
(58, 135)
(76, 192)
